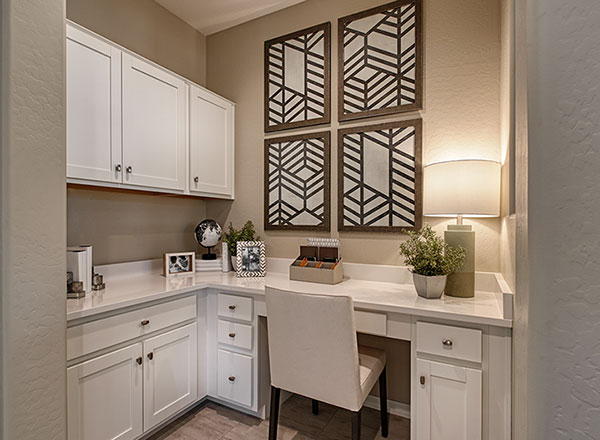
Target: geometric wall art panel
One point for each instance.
(297, 79)
(379, 177)
(380, 61)
(297, 182)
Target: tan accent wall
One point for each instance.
(461, 120)
(137, 226)
(32, 221)
(461, 111)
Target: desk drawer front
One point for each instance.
(234, 334)
(235, 307)
(234, 377)
(370, 322)
(96, 335)
(449, 341)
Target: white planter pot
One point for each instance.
(233, 263)
(429, 287)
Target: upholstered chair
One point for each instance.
(313, 352)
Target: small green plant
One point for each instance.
(232, 236)
(429, 255)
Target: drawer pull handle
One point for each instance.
(232, 335)
(150, 355)
(422, 380)
(145, 322)
(139, 360)
(447, 342)
(232, 307)
(231, 378)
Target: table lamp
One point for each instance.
(462, 189)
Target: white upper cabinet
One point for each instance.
(154, 126)
(133, 124)
(211, 143)
(93, 108)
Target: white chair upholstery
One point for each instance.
(313, 349)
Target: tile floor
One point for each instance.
(296, 422)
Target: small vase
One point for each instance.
(233, 263)
(429, 287)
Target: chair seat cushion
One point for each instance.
(371, 364)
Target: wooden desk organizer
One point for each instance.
(311, 267)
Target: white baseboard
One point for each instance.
(396, 408)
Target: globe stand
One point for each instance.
(209, 255)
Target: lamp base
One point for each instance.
(462, 282)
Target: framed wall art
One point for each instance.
(379, 177)
(251, 259)
(380, 61)
(297, 79)
(297, 182)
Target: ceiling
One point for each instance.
(210, 16)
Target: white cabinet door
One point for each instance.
(234, 377)
(93, 108)
(154, 126)
(170, 374)
(105, 396)
(211, 143)
(449, 402)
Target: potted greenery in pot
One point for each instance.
(431, 260)
(232, 236)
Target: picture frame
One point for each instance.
(380, 61)
(179, 263)
(297, 181)
(297, 86)
(383, 192)
(251, 259)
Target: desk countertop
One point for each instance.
(139, 288)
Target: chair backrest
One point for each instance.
(312, 346)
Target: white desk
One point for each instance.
(480, 363)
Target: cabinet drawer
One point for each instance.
(234, 334)
(234, 377)
(369, 322)
(96, 335)
(236, 307)
(445, 340)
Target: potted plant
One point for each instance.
(431, 260)
(232, 236)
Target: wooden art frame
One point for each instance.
(362, 206)
(316, 97)
(168, 263)
(242, 268)
(303, 152)
(383, 74)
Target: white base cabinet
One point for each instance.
(104, 397)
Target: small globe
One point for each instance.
(208, 233)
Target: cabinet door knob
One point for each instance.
(447, 342)
(145, 322)
(231, 378)
(232, 307)
(129, 170)
(232, 335)
(150, 355)
(139, 360)
(118, 168)
(422, 380)
(196, 179)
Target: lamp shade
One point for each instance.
(470, 188)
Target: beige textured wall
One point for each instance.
(137, 226)
(148, 29)
(32, 219)
(461, 111)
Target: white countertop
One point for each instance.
(135, 288)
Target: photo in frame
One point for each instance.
(380, 61)
(179, 263)
(297, 182)
(251, 259)
(380, 177)
(297, 79)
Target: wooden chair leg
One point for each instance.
(315, 407)
(356, 424)
(385, 420)
(274, 416)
